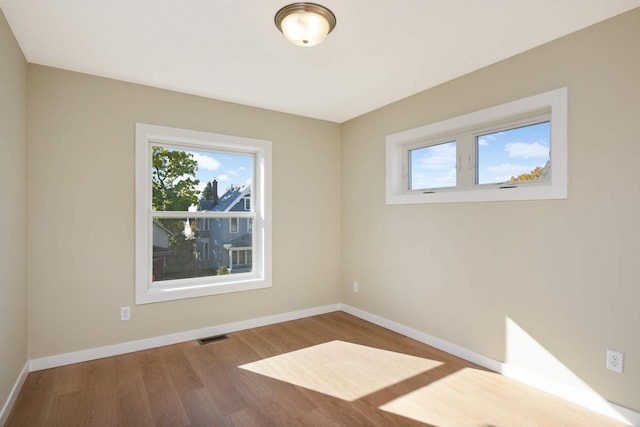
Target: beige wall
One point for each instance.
(13, 261)
(81, 211)
(565, 272)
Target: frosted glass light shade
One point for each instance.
(305, 24)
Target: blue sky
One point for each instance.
(501, 155)
(225, 167)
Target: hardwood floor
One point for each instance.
(354, 374)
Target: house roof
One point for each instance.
(227, 201)
(244, 241)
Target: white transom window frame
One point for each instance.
(550, 106)
(148, 291)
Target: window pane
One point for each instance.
(177, 249)
(433, 166)
(185, 179)
(237, 255)
(520, 154)
(183, 249)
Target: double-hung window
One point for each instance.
(191, 193)
(514, 151)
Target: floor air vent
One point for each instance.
(209, 340)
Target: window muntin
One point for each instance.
(177, 186)
(171, 237)
(433, 166)
(517, 154)
(546, 107)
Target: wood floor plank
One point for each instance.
(217, 373)
(34, 400)
(189, 384)
(131, 398)
(164, 400)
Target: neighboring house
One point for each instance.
(227, 241)
(160, 250)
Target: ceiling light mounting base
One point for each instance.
(305, 24)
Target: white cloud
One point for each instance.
(442, 157)
(223, 177)
(524, 150)
(206, 162)
(200, 187)
(483, 140)
(508, 168)
(432, 179)
(505, 171)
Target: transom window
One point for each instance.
(501, 153)
(515, 154)
(191, 193)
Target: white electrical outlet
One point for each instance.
(125, 313)
(355, 287)
(615, 361)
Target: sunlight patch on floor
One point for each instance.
(477, 398)
(340, 369)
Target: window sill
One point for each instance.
(157, 293)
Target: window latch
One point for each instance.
(508, 184)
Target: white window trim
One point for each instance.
(553, 102)
(148, 291)
(231, 221)
(205, 251)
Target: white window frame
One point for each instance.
(232, 221)
(148, 291)
(552, 104)
(205, 250)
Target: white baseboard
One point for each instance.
(589, 400)
(583, 398)
(13, 395)
(144, 344)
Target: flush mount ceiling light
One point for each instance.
(305, 24)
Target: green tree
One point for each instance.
(207, 193)
(531, 176)
(174, 189)
(174, 183)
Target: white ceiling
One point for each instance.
(380, 51)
